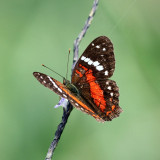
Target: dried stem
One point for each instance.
(68, 108)
(83, 32)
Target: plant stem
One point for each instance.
(67, 110)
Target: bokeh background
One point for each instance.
(33, 32)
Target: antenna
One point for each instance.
(68, 63)
(52, 70)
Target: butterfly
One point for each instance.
(90, 89)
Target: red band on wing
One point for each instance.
(80, 74)
(83, 67)
(113, 107)
(108, 112)
(96, 91)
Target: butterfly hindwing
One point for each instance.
(111, 98)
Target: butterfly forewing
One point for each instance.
(98, 57)
(64, 92)
(50, 83)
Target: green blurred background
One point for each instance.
(33, 32)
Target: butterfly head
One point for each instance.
(66, 82)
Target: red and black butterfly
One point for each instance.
(90, 89)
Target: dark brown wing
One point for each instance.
(91, 74)
(98, 57)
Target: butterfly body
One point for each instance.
(90, 89)
(71, 87)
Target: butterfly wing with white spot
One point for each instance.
(99, 57)
(50, 83)
(91, 74)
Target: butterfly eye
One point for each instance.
(64, 81)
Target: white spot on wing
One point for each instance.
(96, 63)
(76, 104)
(83, 57)
(104, 49)
(92, 44)
(106, 73)
(44, 81)
(52, 82)
(99, 68)
(64, 95)
(90, 62)
(41, 77)
(60, 90)
(111, 94)
(109, 87)
(87, 59)
(97, 46)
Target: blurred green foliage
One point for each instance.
(33, 32)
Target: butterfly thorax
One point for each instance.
(71, 87)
